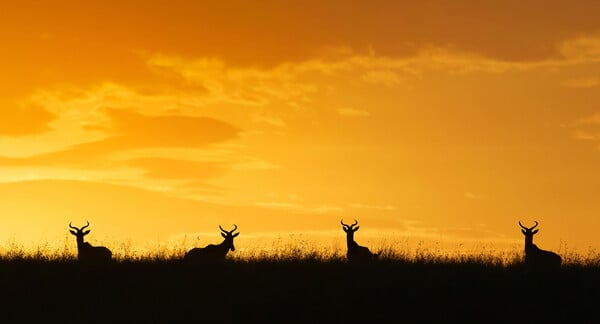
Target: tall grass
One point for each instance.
(296, 279)
(298, 248)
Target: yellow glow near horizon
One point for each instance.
(424, 121)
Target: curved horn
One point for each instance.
(522, 225)
(73, 227)
(534, 226)
(342, 222)
(355, 223)
(234, 228)
(88, 224)
(222, 229)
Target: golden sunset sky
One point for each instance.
(428, 120)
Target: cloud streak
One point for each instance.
(131, 130)
(590, 82)
(353, 112)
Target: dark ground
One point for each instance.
(294, 291)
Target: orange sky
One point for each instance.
(429, 120)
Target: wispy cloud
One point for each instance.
(277, 204)
(385, 77)
(295, 207)
(377, 207)
(235, 85)
(269, 120)
(165, 168)
(119, 157)
(287, 81)
(130, 130)
(593, 119)
(584, 135)
(582, 48)
(590, 82)
(353, 112)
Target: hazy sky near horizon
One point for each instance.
(438, 120)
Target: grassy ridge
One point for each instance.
(306, 289)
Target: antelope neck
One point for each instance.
(350, 238)
(80, 240)
(529, 241)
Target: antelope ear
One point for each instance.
(534, 232)
(236, 234)
(223, 234)
(86, 232)
(523, 231)
(356, 228)
(73, 232)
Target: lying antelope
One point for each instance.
(356, 253)
(85, 251)
(214, 252)
(536, 258)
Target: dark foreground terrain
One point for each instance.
(294, 291)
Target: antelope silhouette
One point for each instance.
(356, 253)
(214, 252)
(85, 251)
(536, 258)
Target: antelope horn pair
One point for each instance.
(79, 229)
(346, 226)
(527, 228)
(226, 231)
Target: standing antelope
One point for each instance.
(214, 252)
(536, 258)
(356, 253)
(85, 251)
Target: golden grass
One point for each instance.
(300, 248)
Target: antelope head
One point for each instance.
(350, 228)
(79, 232)
(228, 235)
(528, 232)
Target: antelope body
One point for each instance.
(356, 253)
(214, 252)
(85, 251)
(536, 258)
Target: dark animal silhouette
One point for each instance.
(356, 253)
(536, 258)
(214, 252)
(85, 251)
